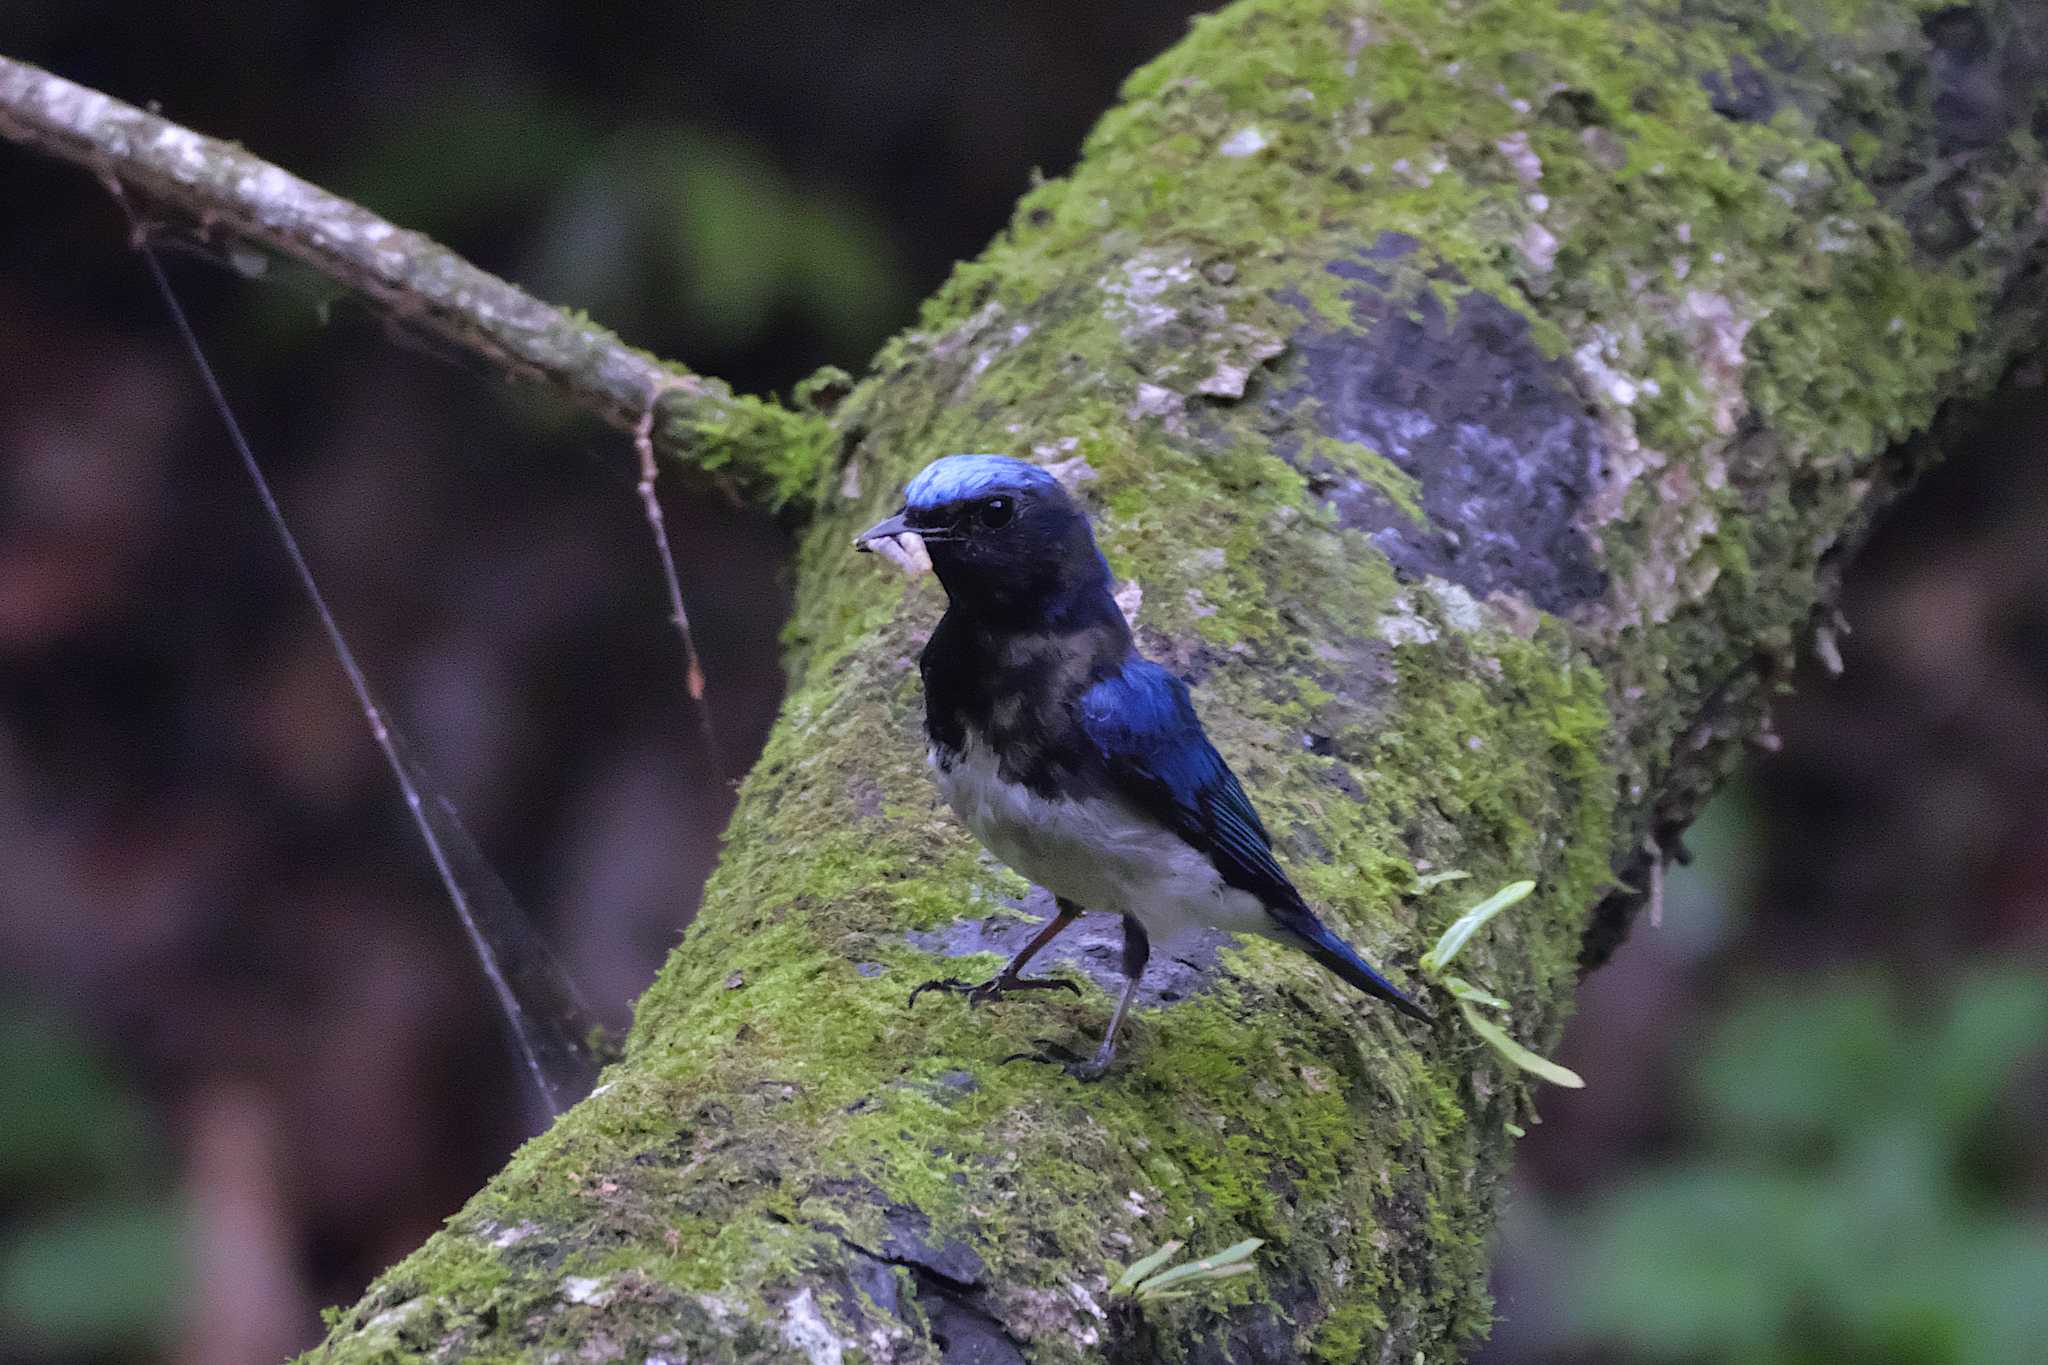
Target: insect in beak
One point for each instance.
(894, 541)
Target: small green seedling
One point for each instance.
(1470, 997)
(1147, 1283)
(1465, 990)
(1471, 922)
(1519, 1055)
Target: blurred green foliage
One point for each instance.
(1853, 1194)
(89, 1238)
(655, 230)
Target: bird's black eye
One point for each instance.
(996, 512)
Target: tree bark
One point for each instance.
(1481, 397)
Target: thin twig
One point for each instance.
(1656, 852)
(413, 280)
(657, 525)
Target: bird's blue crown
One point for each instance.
(952, 478)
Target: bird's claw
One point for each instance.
(1065, 1058)
(941, 983)
(995, 988)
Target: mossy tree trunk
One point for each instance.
(1479, 395)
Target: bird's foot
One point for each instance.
(995, 988)
(1066, 1059)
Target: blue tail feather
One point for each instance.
(1341, 958)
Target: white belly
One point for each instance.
(1100, 854)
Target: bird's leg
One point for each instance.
(1007, 979)
(1137, 950)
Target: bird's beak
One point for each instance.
(894, 541)
(881, 530)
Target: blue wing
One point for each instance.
(1144, 729)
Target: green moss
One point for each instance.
(774, 455)
(1400, 487)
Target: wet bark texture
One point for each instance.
(1479, 397)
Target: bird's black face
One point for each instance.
(1006, 547)
(1003, 536)
(969, 519)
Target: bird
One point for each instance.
(1075, 760)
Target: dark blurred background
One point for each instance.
(246, 1059)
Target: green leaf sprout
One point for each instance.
(1470, 997)
(1470, 923)
(1147, 1283)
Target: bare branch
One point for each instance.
(415, 281)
